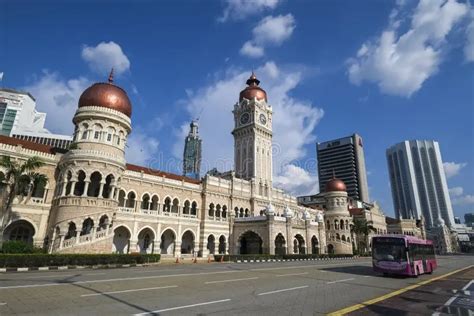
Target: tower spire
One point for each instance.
(253, 81)
(111, 75)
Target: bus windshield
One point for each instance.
(389, 249)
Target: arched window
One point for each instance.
(211, 210)
(94, 185)
(186, 208)
(347, 225)
(69, 183)
(224, 211)
(218, 210)
(122, 198)
(103, 222)
(338, 237)
(175, 207)
(87, 226)
(194, 209)
(107, 191)
(336, 224)
(71, 231)
(167, 205)
(241, 212)
(80, 184)
(154, 203)
(236, 211)
(131, 197)
(145, 202)
(97, 132)
(247, 212)
(342, 224)
(328, 225)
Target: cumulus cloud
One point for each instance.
(297, 180)
(400, 63)
(240, 9)
(104, 56)
(58, 98)
(456, 191)
(293, 121)
(142, 149)
(469, 47)
(463, 200)
(452, 168)
(269, 31)
(252, 50)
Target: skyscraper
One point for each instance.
(418, 182)
(344, 158)
(192, 152)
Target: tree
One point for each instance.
(362, 227)
(18, 178)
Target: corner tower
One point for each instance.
(253, 134)
(89, 174)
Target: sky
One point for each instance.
(387, 70)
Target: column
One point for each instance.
(62, 236)
(78, 236)
(63, 190)
(73, 187)
(101, 189)
(94, 231)
(86, 188)
(111, 192)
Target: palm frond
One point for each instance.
(32, 164)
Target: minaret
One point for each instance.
(89, 174)
(192, 152)
(253, 134)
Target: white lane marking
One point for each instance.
(152, 271)
(231, 280)
(128, 291)
(284, 290)
(182, 307)
(305, 266)
(468, 285)
(367, 276)
(1, 304)
(116, 280)
(337, 281)
(102, 273)
(290, 274)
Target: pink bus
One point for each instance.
(402, 255)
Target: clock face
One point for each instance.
(263, 119)
(244, 118)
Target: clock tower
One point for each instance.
(253, 134)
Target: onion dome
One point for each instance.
(107, 95)
(269, 209)
(253, 90)
(288, 212)
(335, 185)
(320, 217)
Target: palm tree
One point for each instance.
(362, 227)
(18, 178)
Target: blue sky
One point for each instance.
(388, 70)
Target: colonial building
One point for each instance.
(95, 202)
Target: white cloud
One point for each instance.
(269, 31)
(240, 9)
(251, 50)
(401, 63)
(452, 168)
(104, 56)
(293, 121)
(58, 98)
(463, 200)
(141, 148)
(456, 191)
(469, 47)
(297, 180)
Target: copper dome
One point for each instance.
(107, 95)
(335, 185)
(253, 90)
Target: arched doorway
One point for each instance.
(187, 243)
(299, 245)
(168, 239)
(211, 244)
(146, 241)
(314, 245)
(222, 245)
(121, 243)
(20, 230)
(250, 243)
(330, 249)
(280, 243)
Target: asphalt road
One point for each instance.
(282, 288)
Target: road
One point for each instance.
(281, 288)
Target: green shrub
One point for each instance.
(43, 260)
(16, 246)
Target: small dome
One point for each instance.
(253, 90)
(306, 215)
(269, 209)
(288, 212)
(320, 217)
(335, 185)
(107, 95)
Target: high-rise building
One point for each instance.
(418, 182)
(20, 119)
(343, 158)
(192, 152)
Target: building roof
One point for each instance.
(160, 173)
(391, 220)
(28, 145)
(356, 211)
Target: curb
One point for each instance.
(290, 260)
(55, 268)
